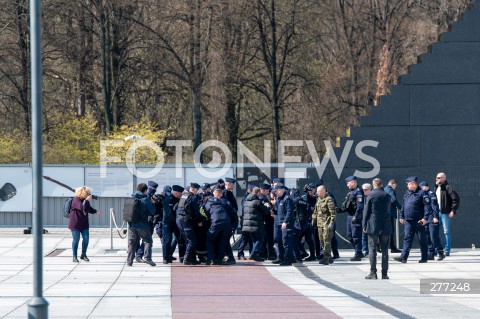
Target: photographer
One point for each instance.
(78, 220)
(152, 188)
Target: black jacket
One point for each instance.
(376, 214)
(254, 213)
(449, 200)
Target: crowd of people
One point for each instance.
(277, 223)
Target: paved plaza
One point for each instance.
(106, 288)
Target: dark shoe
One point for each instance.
(310, 258)
(217, 262)
(208, 263)
(395, 251)
(139, 260)
(385, 276)
(447, 253)
(84, 257)
(324, 261)
(260, 259)
(75, 259)
(285, 263)
(272, 258)
(129, 264)
(441, 257)
(166, 261)
(431, 258)
(230, 261)
(356, 258)
(149, 262)
(276, 261)
(240, 257)
(422, 261)
(400, 260)
(365, 253)
(187, 262)
(361, 255)
(372, 275)
(330, 260)
(303, 255)
(173, 258)
(336, 256)
(379, 250)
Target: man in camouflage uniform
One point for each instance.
(324, 217)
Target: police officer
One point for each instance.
(140, 229)
(188, 216)
(152, 189)
(304, 220)
(268, 249)
(353, 205)
(323, 218)
(221, 213)
(169, 222)
(284, 231)
(414, 214)
(227, 193)
(433, 225)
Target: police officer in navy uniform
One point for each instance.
(268, 249)
(353, 205)
(221, 213)
(170, 228)
(414, 214)
(432, 229)
(152, 189)
(284, 231)
(304, 220)
(188, 216)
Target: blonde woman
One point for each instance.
(78, 221)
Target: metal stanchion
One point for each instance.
(111, 229)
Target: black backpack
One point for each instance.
(131, 210)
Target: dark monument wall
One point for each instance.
(429, 123)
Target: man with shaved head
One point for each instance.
(323, 218)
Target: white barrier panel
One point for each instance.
(15, 189)
(117, 183)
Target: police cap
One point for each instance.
(205, 185)
(423, 183)
(152, 184)
(230, 180)
(350, 178)
(194, 185)
(177, 188)
(411, 179)
(319, 183)
(265, 186)
(278, 180)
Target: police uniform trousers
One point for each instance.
(305, 235)
(201, 233)
(354, 235)
(187, 229)
(285, 243)
(433, 239)
(169, 233)
(134, 236)
(325, 237)
(412, 228)
(217, 237)
(244, 240)
(373, 241)
(268, 249)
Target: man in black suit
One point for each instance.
(376, 223)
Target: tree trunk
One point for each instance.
(106, 69)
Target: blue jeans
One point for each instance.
(76, 239)
(445, 221)
(257, 239)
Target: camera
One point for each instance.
(94, 197)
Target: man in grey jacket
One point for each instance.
(376, 223)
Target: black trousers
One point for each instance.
(373, 240)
